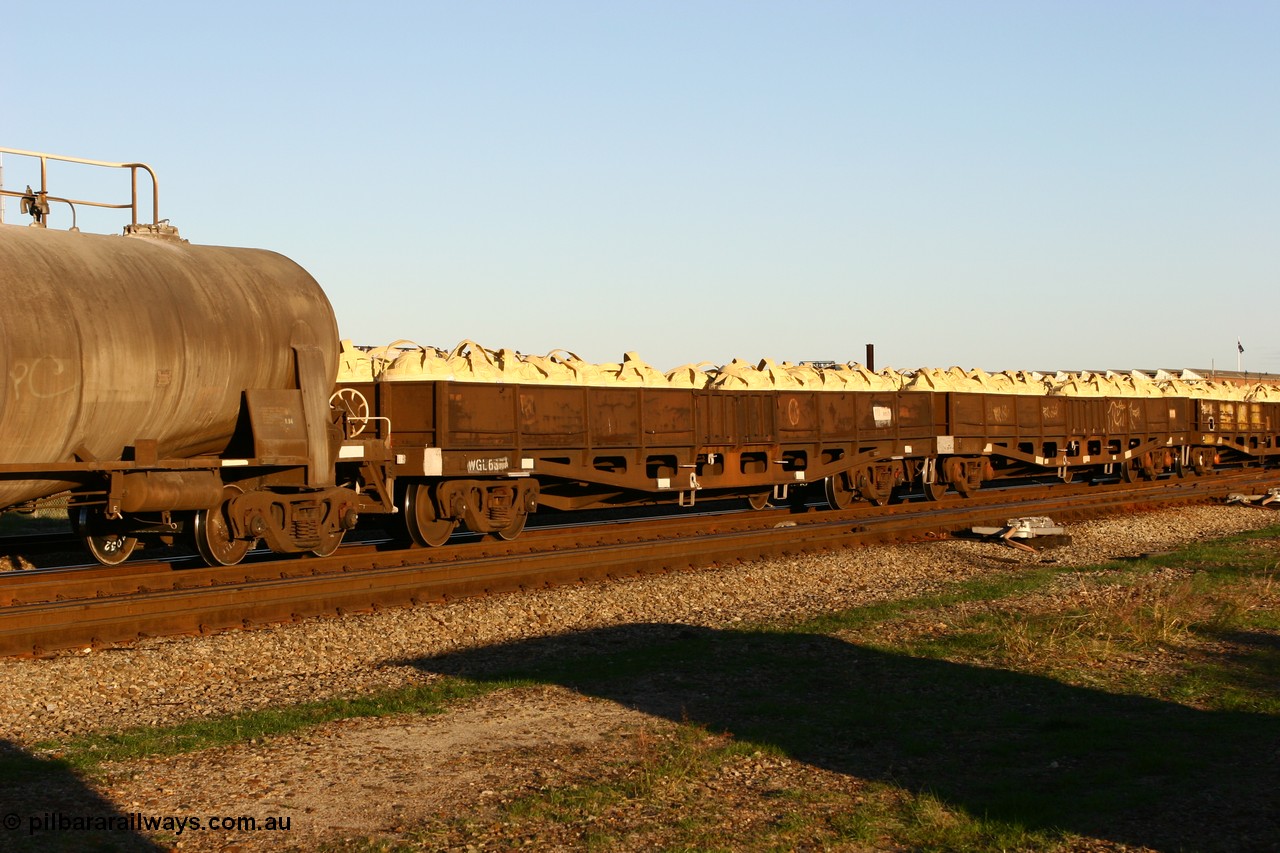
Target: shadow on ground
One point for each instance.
(1019, 748)
(45, 806)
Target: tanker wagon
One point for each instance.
(167, 388)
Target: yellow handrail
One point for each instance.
(40, 198)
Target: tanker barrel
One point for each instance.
(108, 341)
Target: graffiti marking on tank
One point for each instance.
(42, 378)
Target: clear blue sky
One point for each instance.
(990, 184)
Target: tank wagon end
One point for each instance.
(167, 388)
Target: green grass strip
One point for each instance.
(1220, 559)
(87, 752)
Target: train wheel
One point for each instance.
(426, 528)
(211, 530)
(759, 501)
(516, 527)
(839, 495)
(1150, 466)
(867, 487)
(329, 544)
(935, 491)
(957, 476)
(109, 549)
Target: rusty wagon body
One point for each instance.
(484, 454)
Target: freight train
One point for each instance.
(482, 448)
(170, 391)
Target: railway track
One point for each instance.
(42, 611)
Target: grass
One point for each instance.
(1137, 703)
(1192, 627)
(48, 515)
(41, 521)
(86, 753)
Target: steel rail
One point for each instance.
(96, 581)
(262, 594)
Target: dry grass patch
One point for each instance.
(1158, 626)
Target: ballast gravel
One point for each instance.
(162, 681)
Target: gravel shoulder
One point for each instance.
(371, 777)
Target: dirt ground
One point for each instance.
(376, 778)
